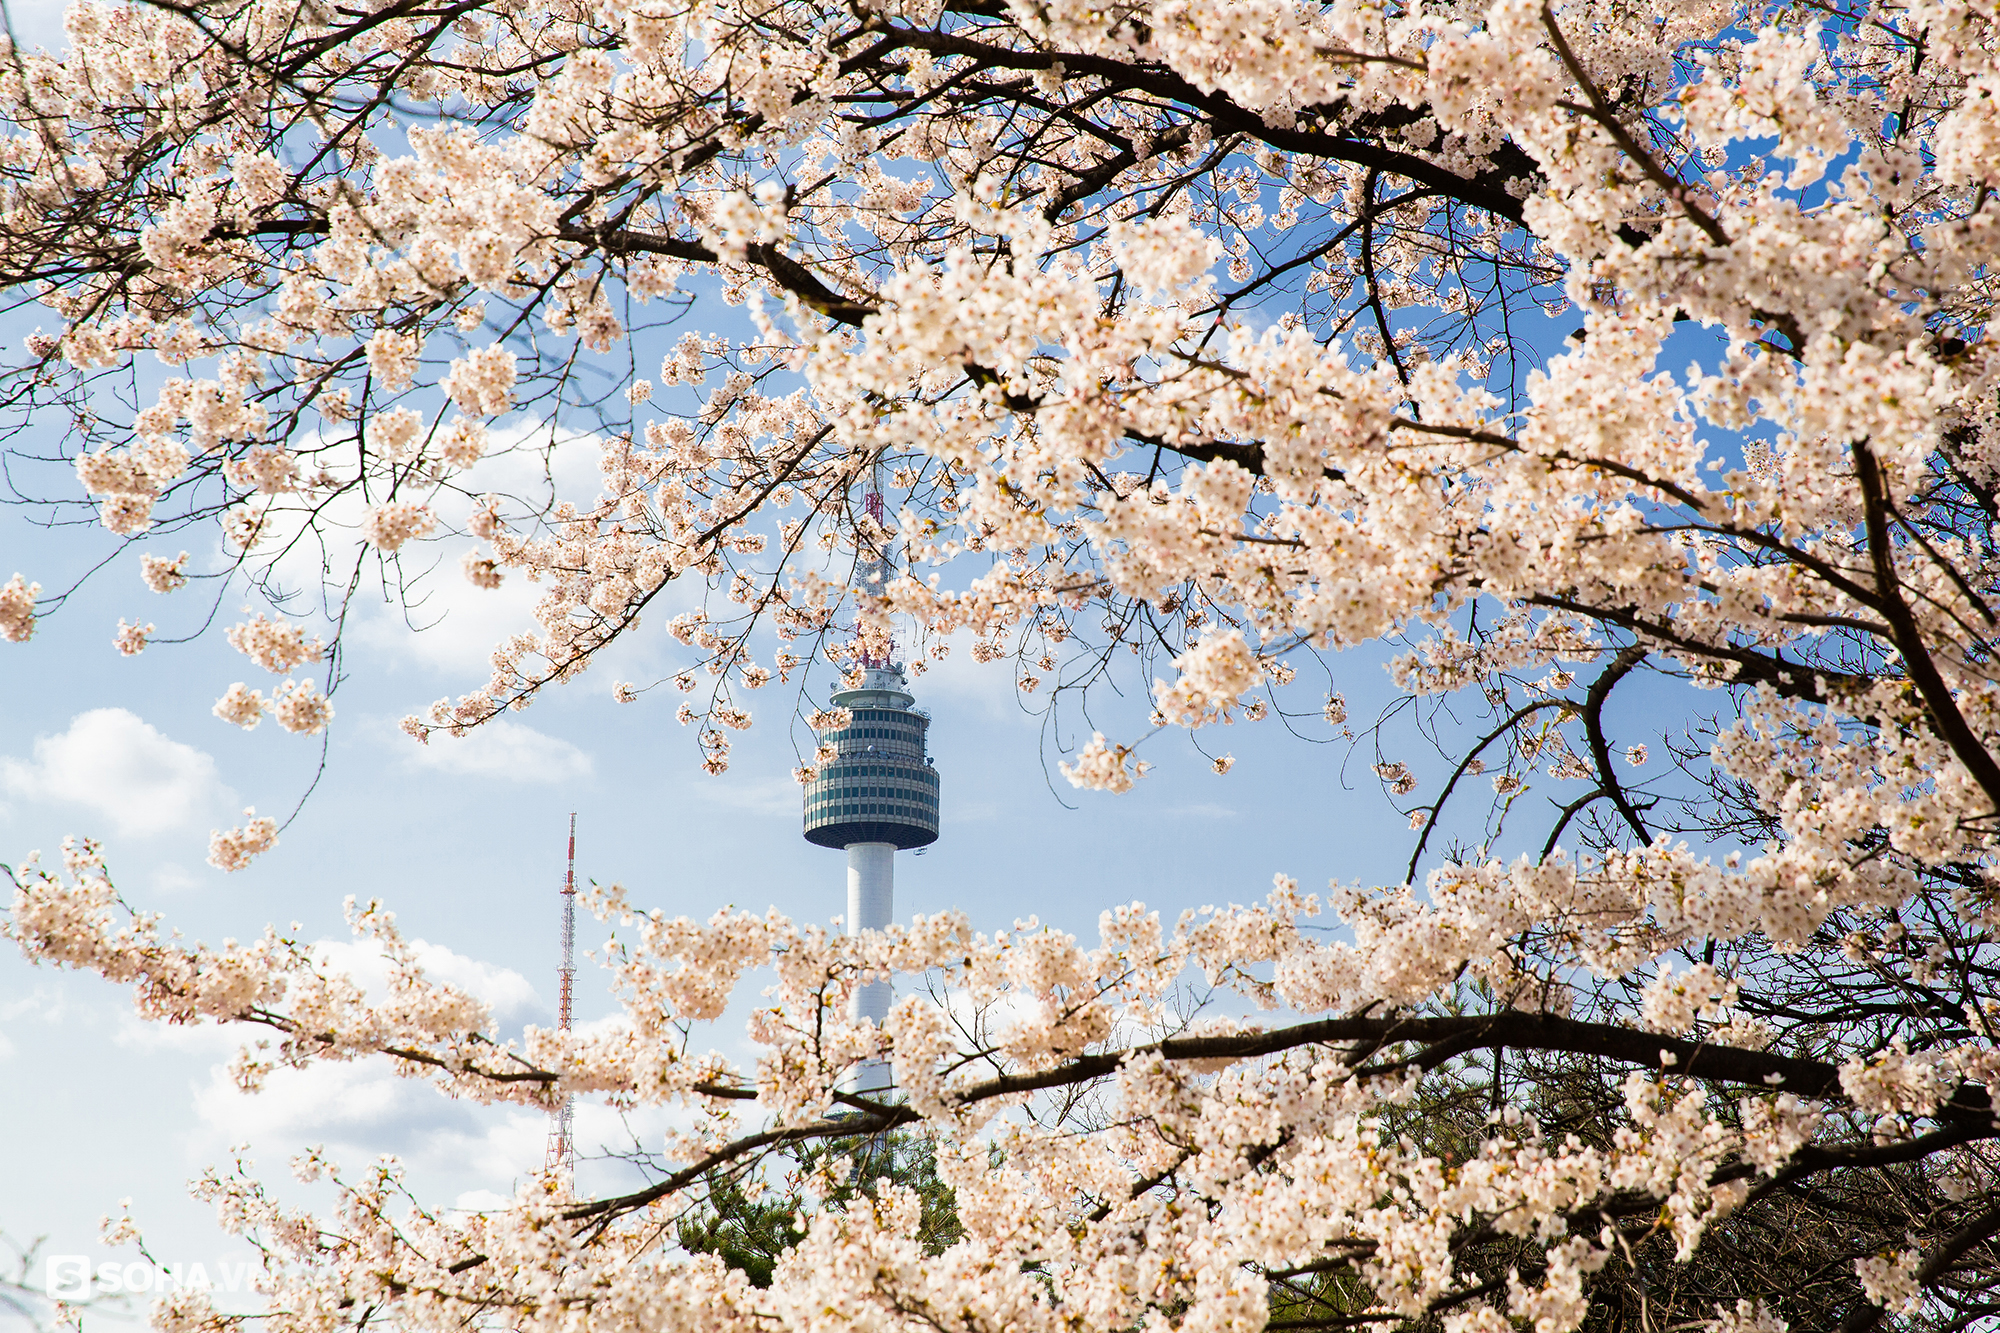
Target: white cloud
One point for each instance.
(498, 1144)
(776, 796)
(511, 996)
(454, 626)
(449, 625)
(116, 764)
(424, 613)
(364, 1107)
(988, 686)
(210, 1041)
(17, 1013)
(171, 878)
(361, 1110)
(481, 1201)
(505, 991)
(41, 1005)
(503, 749)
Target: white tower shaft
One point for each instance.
(871, 905)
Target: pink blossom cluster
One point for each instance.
(241, 706)
(131, 639)
(389, 526)
(276, 645)
(162, 574)
(233, 849)
(17, 609)
(300, 707)
(1046, 1001)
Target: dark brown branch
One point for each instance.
(1458, 1034)
(1951, 725)
(1487, 191)
(1954, 1247)
(1600, 749)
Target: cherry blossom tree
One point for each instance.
(1190, 337)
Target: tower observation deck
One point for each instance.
(878, 796)
(881, 787)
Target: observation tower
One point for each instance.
(878, 796)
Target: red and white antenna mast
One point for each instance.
(875, 572)
(562, 1152)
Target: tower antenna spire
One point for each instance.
(562, 1151)
(875, 571)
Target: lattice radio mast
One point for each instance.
(562, 1151)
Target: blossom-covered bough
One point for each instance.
(1226, 332)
